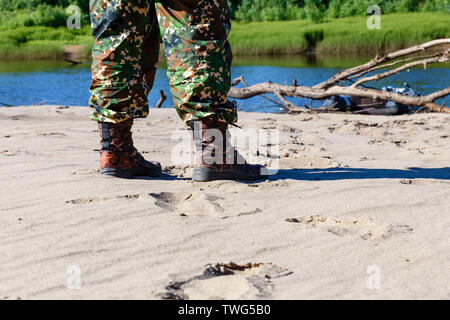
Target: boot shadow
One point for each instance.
(164, 177)
(331, 174)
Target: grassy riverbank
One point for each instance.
(33, 43)
(345, 35)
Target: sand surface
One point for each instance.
(359, 209)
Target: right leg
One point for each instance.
(199, 59)
(125, 55)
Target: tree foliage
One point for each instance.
(51, 12)
(316, 10)
(48, 13)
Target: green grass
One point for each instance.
(346, 35)
(32, 43)
(334, 36)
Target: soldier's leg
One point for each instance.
(199, 61)
(125, 53)
(150, 51)
(199, 57)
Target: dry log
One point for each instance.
(161, 99)
(332, 86)
(344, 75)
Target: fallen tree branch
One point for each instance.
(424, 62)
(344, 75)
(388, 65)
(241, 80)
(161, 99)
(319, 94)
(288, 105)
(331, 87)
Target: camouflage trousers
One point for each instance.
(125, 54)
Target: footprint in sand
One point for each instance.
(86, 171)
(285, 128)
(12, 153)
(227, 281)
(46, 134)
(93, 200)
(20, 117)
(316, 162)
(423, 182)
(167, 120)
(179, 171)
(362, 227)
(195, 204)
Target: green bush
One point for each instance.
(48, 16)
(436, 5)
(11, 5)
(14, 13)
(50, 13)
(318, 10)
(42, 15)
(266, 10)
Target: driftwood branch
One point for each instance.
(388, 65)
(319, 94)
(290, 106)
(424, 62)
(344, 75)
(161, 99)
(241, 80)
(333, 87)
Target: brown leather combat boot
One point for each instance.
(119, 157)
(216, 158)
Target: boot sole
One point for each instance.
(202, 174)
(130, 173)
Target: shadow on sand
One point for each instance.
(342, 174)
(361, 173)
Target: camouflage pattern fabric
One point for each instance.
(127, 38)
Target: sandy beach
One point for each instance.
(360, 209)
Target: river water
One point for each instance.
(59, 83)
